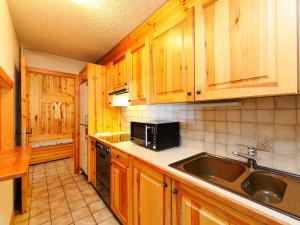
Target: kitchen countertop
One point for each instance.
(164, 158)
(14, 162)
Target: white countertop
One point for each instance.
(162, 160)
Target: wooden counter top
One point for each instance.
(14, 162)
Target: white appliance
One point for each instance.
(83, 154)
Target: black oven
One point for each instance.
(103, 171)
(156, 135)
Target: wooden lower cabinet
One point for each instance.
(119, 190)
(151, 196)
(190, 207)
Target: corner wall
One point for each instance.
(47, 61)
(9, 61)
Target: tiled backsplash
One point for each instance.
(271, 124)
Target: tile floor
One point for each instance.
(59, 197)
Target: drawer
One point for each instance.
(120, 157)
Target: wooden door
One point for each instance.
(247, 48)
(24, 103)
(151, 197)
(119, 191)
(140, 71)
(51, 105)
(173, 59)
(190, 207)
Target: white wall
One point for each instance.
(9, 61)
(53, 62)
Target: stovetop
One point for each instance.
(115, 138)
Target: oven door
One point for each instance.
(103, 176)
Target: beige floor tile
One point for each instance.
(92, 198)
(96, 206)
(80, 213)
(39, 210)
(38, 195)
(40, 219)
(77, 205)
(63, 220)
(84, 187)
(68, 180)
(102, 215)
(73, 197)
(73, 190)
(56, 196)
(89, 220)
(39, 202)
(25, 222)
(58, 203)
(54, 185)
(69, 186)
(110, 221)
(55, 190)
(88, 192)
(39, 189)
(57, 212)
(21, 217)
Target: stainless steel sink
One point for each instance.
(272, 188)
(264, 187)
(211, 168)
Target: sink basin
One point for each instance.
(208, 168)
(264, 187)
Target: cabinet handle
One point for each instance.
(198, 92)
(174, 191)
(189, 93)
(165, 185)
(129, 100)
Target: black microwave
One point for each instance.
(155, 135)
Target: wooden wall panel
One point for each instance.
(51, 105)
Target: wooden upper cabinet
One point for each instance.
(190, 207)
(120, 74)
(139, 65)
(172, 60)
(246, 48)
(151, 196)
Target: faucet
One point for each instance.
(249, 156)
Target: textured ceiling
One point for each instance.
(85, 32)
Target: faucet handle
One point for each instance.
(251, 151)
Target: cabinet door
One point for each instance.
(118, 188)
(248, 48)
(139, 67)
(173, 59)
(190, 207)
(109, 73)
(120, 74)
(151, 197)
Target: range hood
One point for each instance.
(120, 97)
(119, 92)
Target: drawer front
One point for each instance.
(120, 157)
